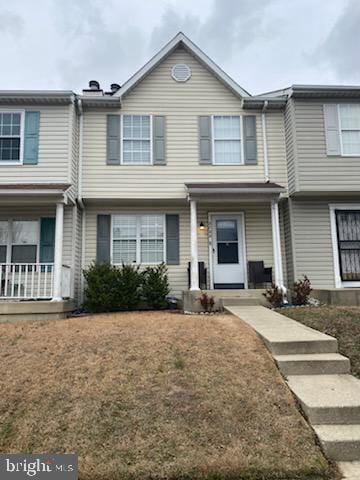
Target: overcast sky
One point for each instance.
(262, 44)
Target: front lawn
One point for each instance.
(143, 396)
(342, 323)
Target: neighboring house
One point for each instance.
(179, 165)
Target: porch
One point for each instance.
(33, 266)
(236, 242)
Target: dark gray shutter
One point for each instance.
(113, 140)
(205, 140)
(103, 239)
(172, 240)
(332, 134)
(250, 139)
(159, 150)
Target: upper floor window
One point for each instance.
(10, 137)
(350, 128)
(137, 140)
(138, 239)
(227, 140)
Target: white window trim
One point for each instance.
(340, 133)
(138, 237)
(10, 242)
(122, 140)
(339, 283)
(242, 158)
(22, 132)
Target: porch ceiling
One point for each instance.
(240, 191)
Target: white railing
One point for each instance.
(26, 280)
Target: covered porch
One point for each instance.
(32, 230)
(235, 240)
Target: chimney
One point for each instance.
(94, 89)
(114, 87)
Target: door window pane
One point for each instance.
(226, 230)
(348, 228)
(228, 253)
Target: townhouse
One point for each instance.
(179, 165)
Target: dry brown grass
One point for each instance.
(152, 396)
(342, 323)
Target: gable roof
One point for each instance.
(181, 40)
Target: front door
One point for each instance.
(228, 251)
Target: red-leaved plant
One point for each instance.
(207, 302)
(301, 291)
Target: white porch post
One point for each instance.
(194, 270)
(278, 268)
(59, 229)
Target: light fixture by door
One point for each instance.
(202, 226)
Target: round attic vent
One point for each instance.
(181, 72)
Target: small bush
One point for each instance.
(155, 286)
(207, 302)
(109, 288)
(129, 287)
(274, 295)
(101, 291)
(301, 291)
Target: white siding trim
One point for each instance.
(339, 283)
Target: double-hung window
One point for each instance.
(10, 137)
(350, 128)
(136, 139)
(227, 140)
(19, 240)
(138, 239)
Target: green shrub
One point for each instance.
(129, 287)
(101, 291)
(155, 286)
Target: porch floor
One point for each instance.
(224, 298)
(17, 310)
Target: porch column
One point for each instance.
(276, 237)
(194, 270)
(59, 229)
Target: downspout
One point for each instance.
(266, 160)
(81, 204)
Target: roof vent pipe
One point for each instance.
(94, 85)
(114, 87)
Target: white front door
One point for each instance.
(228, 251)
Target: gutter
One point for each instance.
(265, 148)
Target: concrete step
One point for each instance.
(282, 335)
(298, 347)
(328, 399)
(243, 301)
(340, 442)
(350, 470)
(313, 364)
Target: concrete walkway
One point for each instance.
(320, 379)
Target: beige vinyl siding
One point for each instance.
(53, 149)
(258, 235)
(290, 137)
(316, 170)
(312, 242)
(181, 103)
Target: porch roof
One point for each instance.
(33, 192)
(238, 187)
